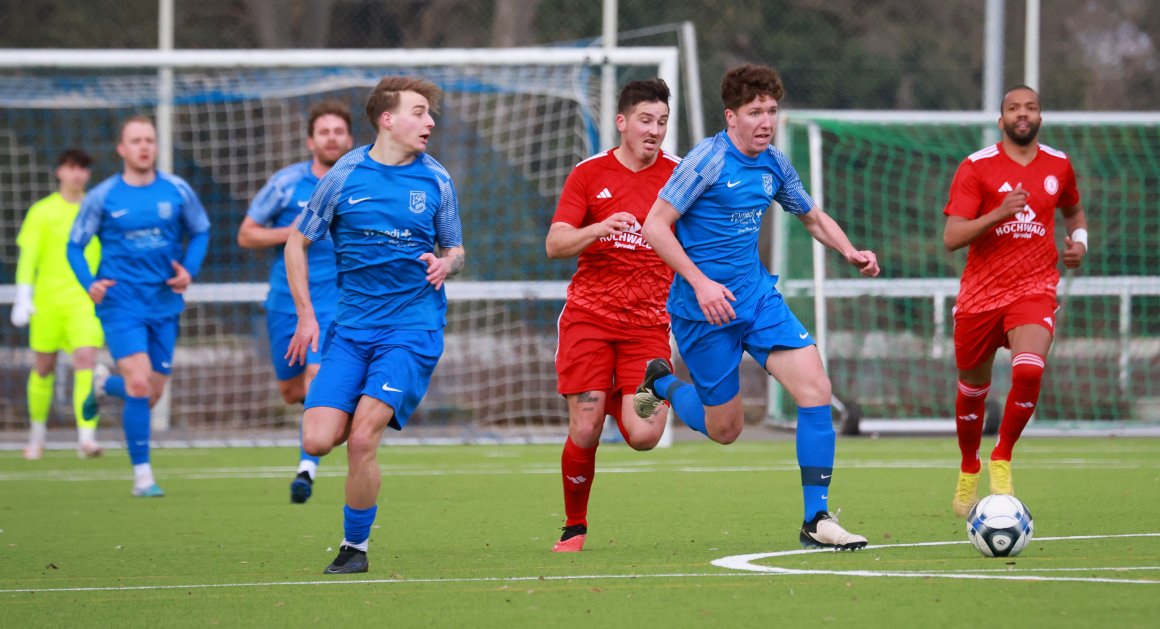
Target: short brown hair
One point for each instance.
(130, 120)
(647, 91)
(745, 83)
(385, 96)
(327, 108)
(75, 157)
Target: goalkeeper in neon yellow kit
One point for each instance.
(55, 306)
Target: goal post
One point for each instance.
(885, 177)
(512, 125)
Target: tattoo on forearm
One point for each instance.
(456, 263)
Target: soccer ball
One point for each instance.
(1000, 526)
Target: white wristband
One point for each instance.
(24, 293)
(1080, 236)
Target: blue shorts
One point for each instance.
(713, 353)
(127, 335)
(392, 366)
(280, 327)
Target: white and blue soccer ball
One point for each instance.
(1000, 526)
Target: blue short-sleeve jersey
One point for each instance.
(142, 230)
(278, 204)
(722, 195)
(381, 219)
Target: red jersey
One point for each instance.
(618, 277)
(1018, 257)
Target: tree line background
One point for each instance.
(858, 54)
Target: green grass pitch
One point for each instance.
(463, 537)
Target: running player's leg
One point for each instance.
(711, 404)
(302, 486)
(137, 374)
(801, 372)
(632, 355)
(293, 381)
(84, 359)
(398, 365)
(41, 385)
(779, 341)
(976, 337)
(83, 331)
(584, 369)
(45, 338)
(1029, 324)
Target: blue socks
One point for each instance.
(115, 386)
(136, 418)
(815, 455)
(357, 524)
(683, 396)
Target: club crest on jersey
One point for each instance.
(418, 203)
(165, 209)
(767, 183)
(1051, 185)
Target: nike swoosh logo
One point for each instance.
(344, 569)
(303, 203)
(388, 387)
(118, 213)
(825, 476)
(803, 335)
(730, 184)
(354, 201)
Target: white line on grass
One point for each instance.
(397, 470)
(739, 563)
(745, 563)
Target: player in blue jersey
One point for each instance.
(267, 225)
(724, 302)
(143, 218)
(392, 214)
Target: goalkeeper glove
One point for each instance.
(22, 309)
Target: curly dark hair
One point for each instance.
(745, 83)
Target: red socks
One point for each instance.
(970, 406)
(578, 466)
(1026, 377)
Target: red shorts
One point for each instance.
(597, 355)
(979, 335)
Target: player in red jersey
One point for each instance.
(1002, 204)
(614, 319)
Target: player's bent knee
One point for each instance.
(292, 391)
(139, 387)
(727, 432)
(1027, 369)
(315, 445)
(584, 435)
(644, 444)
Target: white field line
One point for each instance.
(737, 562)
(339, 469)
(745, 563)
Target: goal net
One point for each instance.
(885, 177)
(512, 125)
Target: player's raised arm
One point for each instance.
(826, 230)
(567, 241)
(251, 235)
(712, 297)
(298, 277)
(960, 231)
(255, 231)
